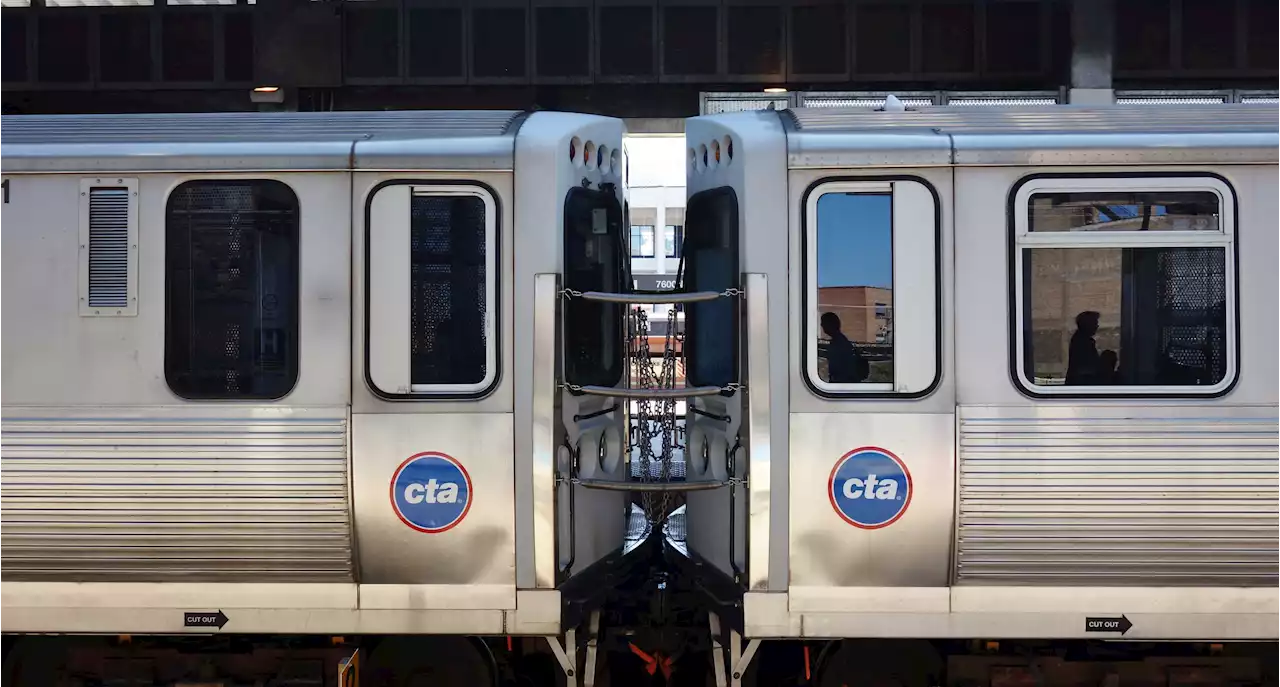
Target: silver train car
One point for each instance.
(928, 377)
(271, 373)
(1014, 374)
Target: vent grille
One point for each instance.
(108, 247)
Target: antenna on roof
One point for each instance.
(892, 104)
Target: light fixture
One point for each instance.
(267, 94)
(775, 89)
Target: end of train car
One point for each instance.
(1019, 388)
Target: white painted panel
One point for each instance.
(389, 275)
(915, 282)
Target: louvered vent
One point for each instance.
(108, 247)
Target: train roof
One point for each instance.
(454, 139)
(1043, 135)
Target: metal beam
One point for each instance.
(1092, 47)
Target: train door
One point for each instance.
(872, 412)
(432, 438)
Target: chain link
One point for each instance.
(655, 419)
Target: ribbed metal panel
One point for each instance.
(165, 498)
(109, 247)
(243, 127)
(1042, 119)
(1112, 500)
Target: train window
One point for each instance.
(1127, 285)
(431, 291)
(871, 288)
(672, 240)
(108, 247)
(711, 264)
(642, 241)
(231, 289)
(595, 259)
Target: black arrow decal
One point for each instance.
(204, 619)
(1120, 624)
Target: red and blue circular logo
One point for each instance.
(870, 488)
(431, 492)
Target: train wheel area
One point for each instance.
(420, 661)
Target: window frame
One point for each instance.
(1021, 238)
(809, 290)
(493, 292)
(295, 320)
(677, 241)
(631, 236)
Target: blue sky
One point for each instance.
(854, 240)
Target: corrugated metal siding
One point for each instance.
(164, 498)
(1042, 119)
(247, 127)
(1118, 501)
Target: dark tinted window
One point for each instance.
(448, 304)
(231, 291)
(1104, 310)
(595, 259)
(1126, 316)
(711, 264)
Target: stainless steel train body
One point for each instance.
(1008, 504)
(281, 366)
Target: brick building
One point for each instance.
(866, 312)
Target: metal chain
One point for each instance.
(655, 419)
(568, 294)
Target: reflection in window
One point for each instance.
(641, 241)
(1129, 211)
(672, 238)
(855, 288)
(1125, 315)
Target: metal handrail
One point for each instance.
(647, 394)
(611, 485)
(650, 298)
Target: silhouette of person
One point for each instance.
(1085, 366)
(1108, 361)
(844, 365)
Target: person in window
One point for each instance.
(844, 365)
(1085, 366)
(1109, 362)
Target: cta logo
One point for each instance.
(870, 488)
(431, 492)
